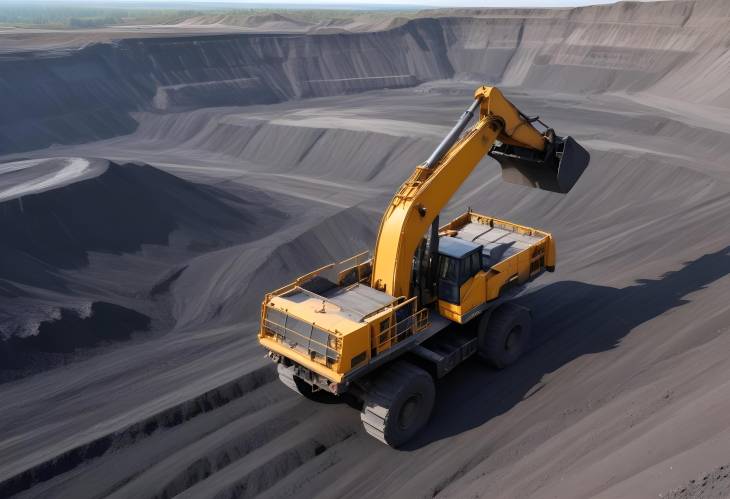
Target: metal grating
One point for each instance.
(298, 333)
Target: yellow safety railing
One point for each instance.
(408, 326)
(340, 268)
(357, 265)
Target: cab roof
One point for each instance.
(457, 248)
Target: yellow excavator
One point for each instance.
(381, 329)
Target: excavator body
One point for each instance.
(333, 324)
(381, 329)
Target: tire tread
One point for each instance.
(385, 391)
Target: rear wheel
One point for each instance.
(294, 382)
(504, 334)
(398, 403)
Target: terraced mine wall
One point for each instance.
(245, 385)
(90, 93)
(630, 343)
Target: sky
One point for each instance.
(440, 3)
(346, 3)
(444, 3)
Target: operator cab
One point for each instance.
(459, 261)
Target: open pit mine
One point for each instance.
(156, 183)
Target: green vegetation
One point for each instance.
(62, 16)
(73, 16)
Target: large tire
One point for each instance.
(504, 334)
(398, 403)
(294, 382)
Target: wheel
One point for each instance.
(398, 403)
(294, 382)
(504, 334)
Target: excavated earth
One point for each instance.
(153, 188)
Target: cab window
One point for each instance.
(448, 269)
(448, 285)
(453, 273)
(470, 265)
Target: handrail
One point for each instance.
(356, 258)
(472, 216)
(418, 320)
(413, 323)
(306, 277)
(392, 307)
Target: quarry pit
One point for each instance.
(176, 177)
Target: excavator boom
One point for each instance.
(527, 156)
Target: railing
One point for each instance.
(471, 216)
(324, 347)
(361, 257)
(537, 261)
(354, 272)
(338, 270)
(403, 328)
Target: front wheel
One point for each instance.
(504, 334)
(398, 403)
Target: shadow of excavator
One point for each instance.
(571, 319)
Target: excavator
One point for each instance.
(380, 330)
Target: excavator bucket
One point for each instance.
(556, 170)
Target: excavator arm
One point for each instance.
(527, 156)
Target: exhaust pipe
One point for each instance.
(557, 169)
